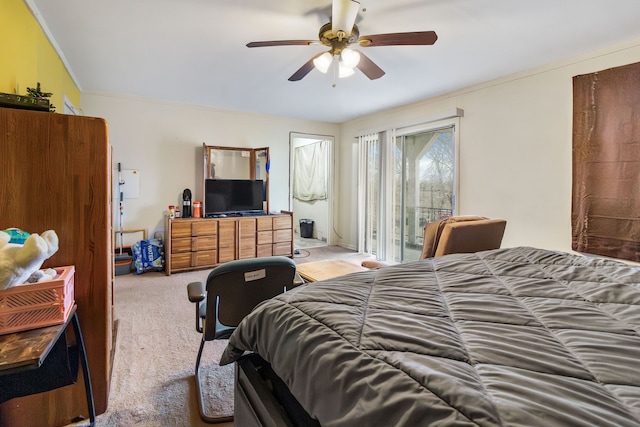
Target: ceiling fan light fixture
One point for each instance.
(344, 71)
(341, 32)
(343, 16)
(350, 57)
(323, 62)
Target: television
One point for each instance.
(228, 196)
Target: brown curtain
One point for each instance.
(605, 212)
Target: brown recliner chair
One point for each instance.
(457, 234)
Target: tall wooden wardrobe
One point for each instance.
(55, 173)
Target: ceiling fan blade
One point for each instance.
(369, 68)
(282, 43)
(343, 15)
(397, 39)
(304, 70)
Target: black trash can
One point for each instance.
(306, 228)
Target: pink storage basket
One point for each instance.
(36, 305)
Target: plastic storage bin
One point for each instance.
(123, 261)
(36, 305)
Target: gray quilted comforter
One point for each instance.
(511, 337)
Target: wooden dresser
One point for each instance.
(55, 173)
(196, 243)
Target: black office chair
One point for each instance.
(233, 290)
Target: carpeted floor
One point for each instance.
(156, 347)
(307, 242)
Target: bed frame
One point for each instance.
(262, 399)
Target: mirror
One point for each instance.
(236, 163)
(230, 164)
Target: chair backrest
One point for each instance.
(236, 287)
(433, 231)
(462, 234)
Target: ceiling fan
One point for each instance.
(339, 35)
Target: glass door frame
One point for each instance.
(385, 223)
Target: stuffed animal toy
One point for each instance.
(19, 261)
(42, 275)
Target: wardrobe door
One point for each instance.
(55, 173)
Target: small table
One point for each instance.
(38, 360)
(327, 269)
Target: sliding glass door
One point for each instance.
(414, 169)
(423, 187)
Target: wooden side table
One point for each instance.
(40, 360)
(327, 269)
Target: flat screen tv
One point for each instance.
(224, 196)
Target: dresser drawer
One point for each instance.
(282, 249)
(247, 252)
(281, 222)
(264, 237)
(182, 260)
(205, 258)
(182, 244)
(226, 254)
(247, 227)
(204, 228)
(226, 234)
(264, 250)
(204, 243)
(282, 236)
(264, 223)
(180, 229)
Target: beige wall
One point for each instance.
(515, 149)
(164, 141)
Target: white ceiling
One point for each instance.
(193, 51)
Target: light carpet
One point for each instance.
(156, 346)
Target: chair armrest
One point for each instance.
(373, 264)
(195, 290)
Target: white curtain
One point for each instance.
(310, 172)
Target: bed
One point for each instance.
(508, 337)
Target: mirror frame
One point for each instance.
(206, 171)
